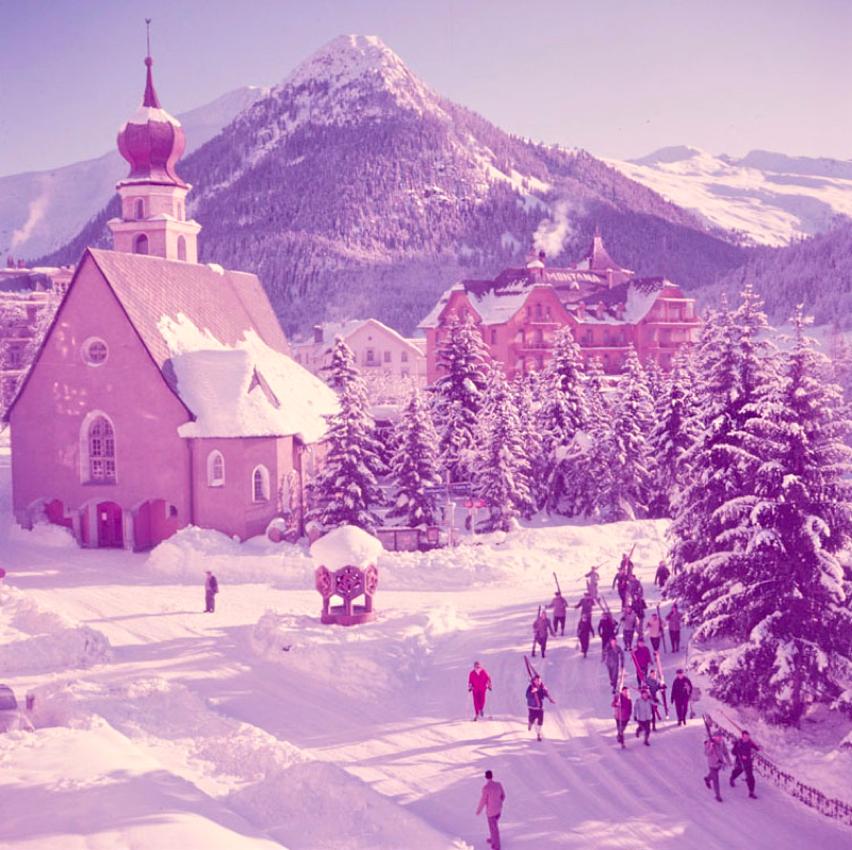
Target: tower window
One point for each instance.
(181, 246)
(140, 244)
(139, 209)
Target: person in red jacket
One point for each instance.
(642, 659)
(478, 682)
(623, 710)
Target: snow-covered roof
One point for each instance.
(330, 330)
(346, 546)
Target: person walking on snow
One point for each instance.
(211, 588)
(654, 686)
(619, 583)
(614, 660)
(478, 682)
(541, 629)
(586, 604)
(643, 713)
(642, 658)
(592, 580)
(674, 620)
(662, 575)
(639, 607)
(622, 710)
(537, 693)
(655, 631)
(628, 626)
(560, 609)
(606, 630)
(585, 630)
(717, 757)
(743, 751)
(681, 692)
(492, 799)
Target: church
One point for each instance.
(163, 394)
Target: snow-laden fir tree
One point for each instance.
(621, 450)
(672, 434)
(501, 469)
(526, 390)
(655, 378)
(462, 360)
(346, 489)
(414, 466)
(778, 594)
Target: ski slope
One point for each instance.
(201, 731)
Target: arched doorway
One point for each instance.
(110, 532)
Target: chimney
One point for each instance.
(609, 275)
(581, 310)
(542, 256)
(317, 333)
(600, 311)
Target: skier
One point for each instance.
(606, 630)
(492, 800)
(662, 575)
(655, 630)
(585, 630)
(642, 659)
(541, 628)
(614, 660)
(674, 620)
(592, 580)
(623, 709)
(743, 751)
(211, 588)
(560, 609)
(717, 758)
(586, 604)
(536, 695)
(478, 682)
(634, 588)
(643, 714)
(653, 685)
(628, 626)
(681, 692)
(639, 606)
(620, 583)
(627, 563)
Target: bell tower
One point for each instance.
(153, 196)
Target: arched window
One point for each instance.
(215, 469)
(139, 209)
(181, 248)
(260, 484)
(140, 244)
(99, 444)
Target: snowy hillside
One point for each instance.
(256, 728)
(768, 198)
(41, 210)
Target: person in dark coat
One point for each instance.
(560, 609)
(743, 751)
(585, 629)
(622, 710)
(681, 692)
(541, 629)
(211, 588)
(536, 694)
(614, 660)
(654, 687)
(586, 604)
(642, 658)
(662, 575)
(674, 620)
(606, 630)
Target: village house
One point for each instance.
(164, 393)
(606, 306)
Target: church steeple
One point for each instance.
(153, 196)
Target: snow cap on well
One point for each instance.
(346, 546)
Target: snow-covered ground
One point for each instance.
(159, 726)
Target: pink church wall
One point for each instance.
(152, 461)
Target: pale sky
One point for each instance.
(617, 77)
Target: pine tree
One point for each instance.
(655, 378)
(779, 592)
(501, 471)
(346, 488)
(462, 360)
(414, 465)
(526, 390)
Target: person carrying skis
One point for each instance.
(662, 575)
(655, 631)
(606, 630)
(586, 604)
(654, 686)
(478, 682)
(585, 630)
(642, 659)
(681, 692)
(619, 583)
(211, 588)
(628, 626)
(643, 714)
(492, 799)
(674, 620)
(537, 693)
(743, 750)
(560, 609)
(541, 629)
(592, 580)
(717, 757)
(614, 660)
(622, 710)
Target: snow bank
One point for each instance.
(43, 534)
(34, 640)
(346, 546)
(319, 805)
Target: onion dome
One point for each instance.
(152, 141)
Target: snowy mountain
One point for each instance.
(766, 198)
(354, 189)
(41, 210)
